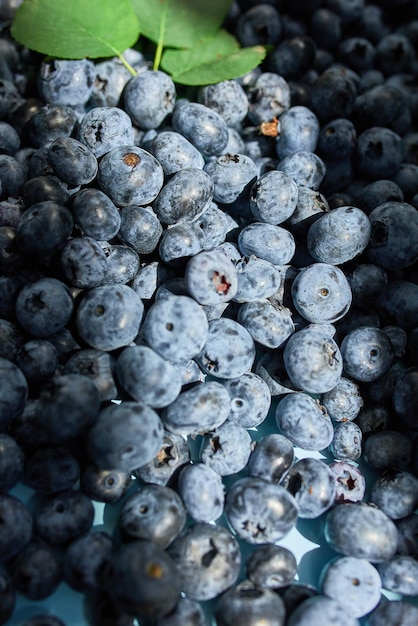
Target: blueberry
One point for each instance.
(130, 175)
(62, 517)
(227, 98)
(202, 126)
(197, 410)
(339, 236)
(122, 263)
(352, 582)
(84, 559)
(83, 262)
(146, 376)
(256, 279)
(149, 97)
(313, 360)
(227, 448)
(13, 392)
(304, 422)
(173, 454)
(271, 458)
(387, 449)
(16, 526)
(346, 443)
(72, 161)
(51, 469)
(181, 241)
(36, 571)
(271, 566)
(125, 436)
(232, 175)
(274, 197)
(229, 350)
(66, 82)
(299, 131)
(208, 560)
(139, 228)
(292, 57)
(211, 277)
(142, 579)
(367, 353)
(269, 97)
(11, 463)
(350, 482)
(343, 402)
(95, 214)
(247, 604)
(305, 167)
(378, 154)
(321, 293)
(267, 241)
(388, 611)
(97, 365)
(260, 511)
(202, 492)
(250, 399)
(375, 538)
(176, 327)
(153, 513)
(44, 306)
(395, 493)
(109, 316)
(392, 243)
(184, 196)
(104, 485)
(186, 613)
(50, 122)
(174, 152)
(312, 484)
(104, 128)
(44, 227)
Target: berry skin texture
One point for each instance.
(211, 278)
(142, 578)
(125, 436)
(148, 98)
(130, 175)
(370, 522)
(366, 353)
(313, 360)
(109, 316)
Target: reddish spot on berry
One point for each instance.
(221, 284)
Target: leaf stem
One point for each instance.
(160, 45)
(127, 65)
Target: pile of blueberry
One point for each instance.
(209, 326)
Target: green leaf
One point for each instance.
(211, 61)
(74, 29)
(186, 21)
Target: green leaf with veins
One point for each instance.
(186, 21)
(74, 29)
(211, 60)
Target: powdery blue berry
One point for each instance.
(267, 241)
(321, 293)
(227, 448)
(109, 316)
(376, 536)
(176, 327)
(313, 360)
(211, 277)
(260, 511)
(197, 410)
(352, 582)
(208, 559)
(304, 422)
(250, 399)
(232, 174)
(125, 436)
(202, 491)
(229, 350)
(274, 197)
(367, 353)
(268, 323)
(312, 484)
